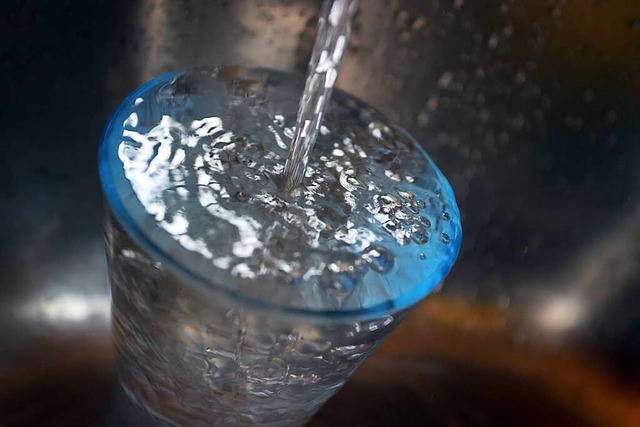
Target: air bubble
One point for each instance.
(249, 163)
(406, 195)
(378, 129)
(446, 216)
(392, 176)
(390, 227)
(390, 199)
(262, 178)
(401, 216)
(379, 258)
(353, 181)
(419, 235)
(444, 238)
(422, 256)
(425, 221)
(278, 119)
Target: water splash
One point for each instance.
(204, 180)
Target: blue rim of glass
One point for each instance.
(107, 155)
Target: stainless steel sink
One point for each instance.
(529, 107)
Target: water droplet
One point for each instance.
(401, 216)
(353, 181)
(249, 163)
(392, 176)
(419, 235)
(130, 254)
(378, 129)
(390, 199)
(444, 238)
(406, 195)
(446, 216)
(278, 119)
(411, 207)
(379, 258)
(422, 256)
(349, 181)
(241, 196)
(262, 178)
(424, 221)
(390, 226)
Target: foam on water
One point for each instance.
(198, 173)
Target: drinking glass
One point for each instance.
(195, 350)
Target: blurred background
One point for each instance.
(530, 108)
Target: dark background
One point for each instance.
(531, 109)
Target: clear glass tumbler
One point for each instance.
(193, 350)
